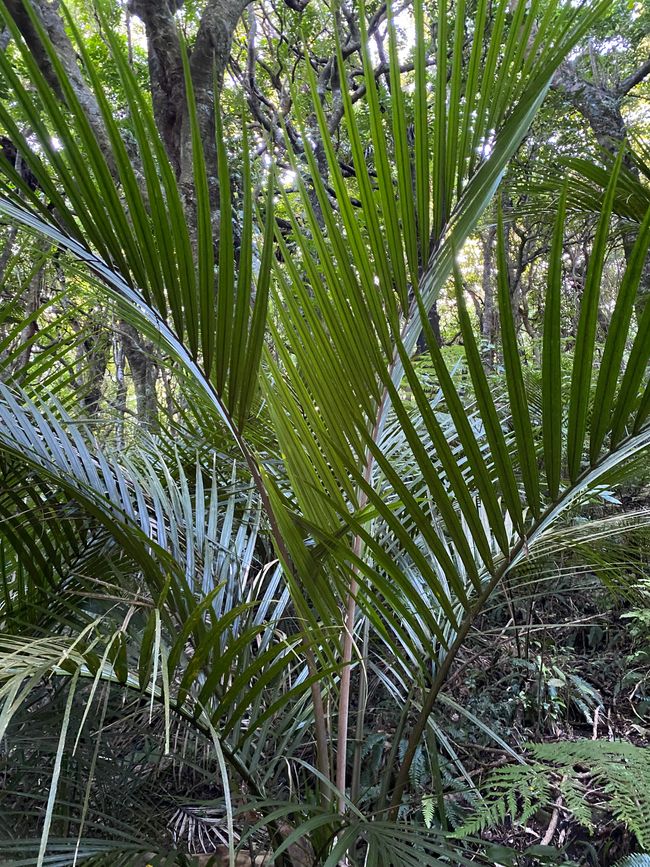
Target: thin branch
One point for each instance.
(632, 80)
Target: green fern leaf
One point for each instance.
(621, 771)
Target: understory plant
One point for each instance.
(217, 596)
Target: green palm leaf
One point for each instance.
(404, 513)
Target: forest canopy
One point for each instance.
(324, 431)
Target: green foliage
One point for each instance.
(552, 692)
(513, 791)
(390, 501)
(620, 771)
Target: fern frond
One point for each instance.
(621, 771)
(512, 791)
(573, 799)
(428, 809)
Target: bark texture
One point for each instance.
(49, 13)
(165, 69)
(95, 347)
(144, 374)
(208, 59)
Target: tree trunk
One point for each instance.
(208, 60)
(165, 70)
(49, 14)
(144, 373)
(96, 355)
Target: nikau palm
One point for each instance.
(386, 519)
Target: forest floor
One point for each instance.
(566, 664)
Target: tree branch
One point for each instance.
(632, 80)
(165, 70)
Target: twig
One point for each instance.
(555, 817)
(594, 734)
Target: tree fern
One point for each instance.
(619, 771)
